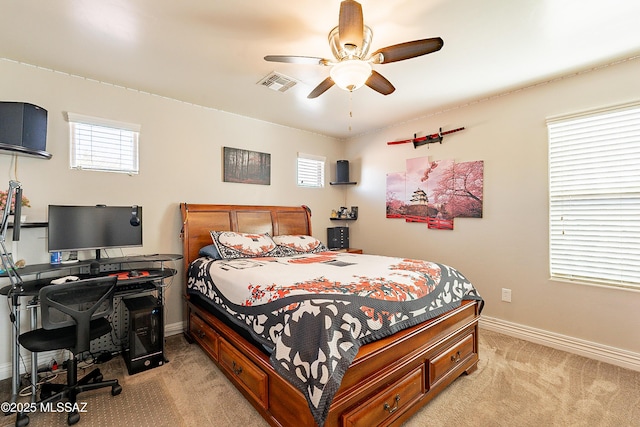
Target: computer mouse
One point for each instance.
(64, 279)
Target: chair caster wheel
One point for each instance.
(116, 390)
(73, 418)
(22, 420)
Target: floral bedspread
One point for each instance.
(314, 311)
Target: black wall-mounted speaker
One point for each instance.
(342, 171)
(23, 125)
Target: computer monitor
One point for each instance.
(77, 228)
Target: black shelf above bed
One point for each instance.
(23, 151)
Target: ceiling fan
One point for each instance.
(350, 42)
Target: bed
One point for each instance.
(374, 365)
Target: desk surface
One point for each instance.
(32, 287)
(46, 268)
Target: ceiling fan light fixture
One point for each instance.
(349, 42)
(351, 74)
(351, 51)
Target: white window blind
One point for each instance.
(594, 197)
(103, 145)
(310, 170)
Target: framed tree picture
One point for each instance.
(247, 167)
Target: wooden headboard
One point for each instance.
(198, 220)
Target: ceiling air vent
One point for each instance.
(277, 81)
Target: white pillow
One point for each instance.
(300, 243)
(243, 245)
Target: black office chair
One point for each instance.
(73, 314)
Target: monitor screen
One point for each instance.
(77, 228)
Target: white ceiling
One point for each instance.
(210, 53)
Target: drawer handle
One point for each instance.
(237, 369)
(200, 333)
(456, 357)
(393, 409)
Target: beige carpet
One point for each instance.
(523, 384)
(517, 384)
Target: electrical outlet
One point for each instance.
(506, 295)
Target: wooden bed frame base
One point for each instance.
(389, 380)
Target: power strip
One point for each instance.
(104, 268)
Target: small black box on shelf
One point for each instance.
(342, 171)
(338, 237)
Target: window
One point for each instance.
(103, 145)
(310, 170)
(594, 197)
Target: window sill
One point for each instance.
(613, 286)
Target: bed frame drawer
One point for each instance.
(447, 361)
(250, 377)
(389, 403)
(204, 334)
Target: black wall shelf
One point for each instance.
(18, 149)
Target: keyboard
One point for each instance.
(125, 288)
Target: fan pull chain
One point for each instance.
(350, 109)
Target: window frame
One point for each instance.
(121, 138)
(594, 197)
(320, 163)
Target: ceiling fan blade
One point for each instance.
(321, 88)
(379, 83)
(308, 60)
(351, 23)
(402, 51)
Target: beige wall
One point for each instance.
(505, 249)
(180, 161)
(508, 247)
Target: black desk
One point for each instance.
(31, 288)
(81, 269)
(40, 269)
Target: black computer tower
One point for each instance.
(338, 237)
(146, 334)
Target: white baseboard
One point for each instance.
(174, 328)
(615, 356)
(603, 353)
(43, 358)
(5, 371)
